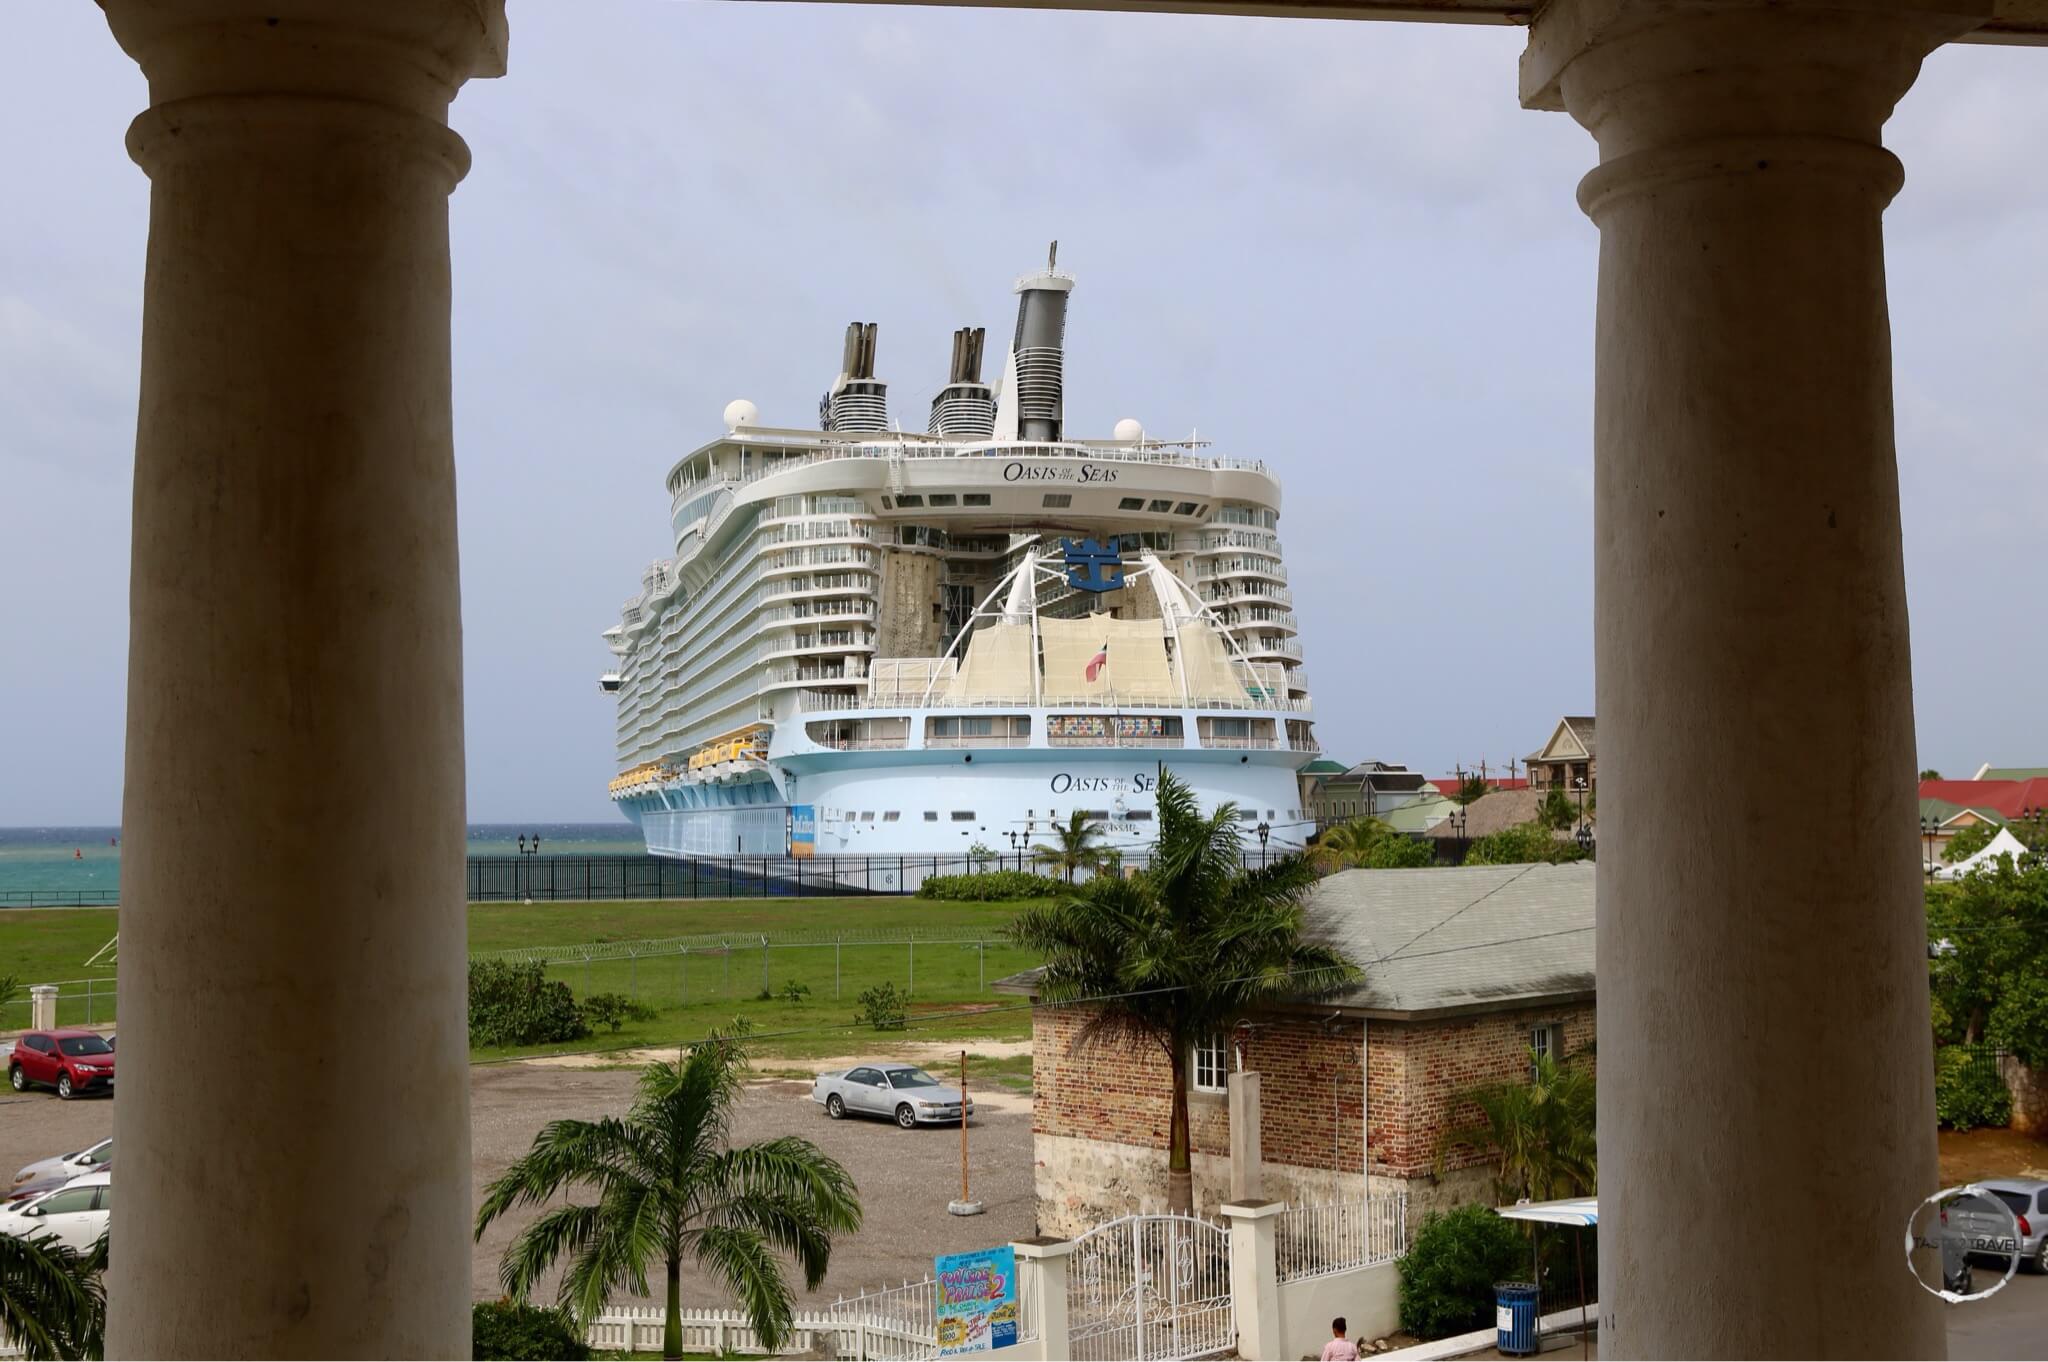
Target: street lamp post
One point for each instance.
(1265, 831)
(1585, 829)
(1927, 830)
(526, 851)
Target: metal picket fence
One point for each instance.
(1316, 1241)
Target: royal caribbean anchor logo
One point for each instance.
(1090, 563)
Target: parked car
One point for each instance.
(1991, 1234)
(76, 1213)
(67, 1166)
(901, 1091)
(71, 1061)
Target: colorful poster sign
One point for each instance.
(977, 1302)
(803, 830)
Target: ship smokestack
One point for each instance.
(1033, 401)
(966, 407)
(857, 400)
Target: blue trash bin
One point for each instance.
(1514, 1318)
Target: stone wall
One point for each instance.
(2029, 1088)
(907, 622)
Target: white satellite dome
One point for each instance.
(740, 412)
(1130, 430)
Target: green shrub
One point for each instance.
(519, 1005)
(509, 1329)
(793, 991)
(1447, 1277)
(614, 1010)
(1523, 844)
(992, 887)
(1968, 1092)
(882, 1007)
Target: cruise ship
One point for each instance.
(872, 643)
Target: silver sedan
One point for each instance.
(903, 1092)
(1991, 1234)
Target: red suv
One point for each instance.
(72, 1062)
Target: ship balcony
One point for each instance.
(978, 730)
(1241, 566)
(776, 677)
(1250, 617)
(785, 616)
(809, 646)
(1114, 740)
(825, 584)
(859, 735)
(1224, 541)
(1273, 647)
(1245, 589)
(977, 740)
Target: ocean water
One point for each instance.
(89, 859)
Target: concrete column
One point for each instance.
(1042, 1278)
(1255, 1275)
(1246, 1157)
(42, 1007)
(293, 1107)
(1763, 984)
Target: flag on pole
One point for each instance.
(1099, 661)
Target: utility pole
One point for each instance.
(963, 1206)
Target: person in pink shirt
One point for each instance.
(1340, 1348)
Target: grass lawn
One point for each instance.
(693, 992)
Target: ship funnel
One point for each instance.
(1033, 401)
(857, 400)
(966, 407)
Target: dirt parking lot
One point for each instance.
(905, 1177)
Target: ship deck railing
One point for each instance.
(827, 702)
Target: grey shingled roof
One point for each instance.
(1448, 940)
(1459, 938)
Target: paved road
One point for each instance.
(906, 1177)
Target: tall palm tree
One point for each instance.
(670, 1185)
(53, 1303)
(1541, 1132)
(1183, 950)
(1073, 845)
(1369, 843)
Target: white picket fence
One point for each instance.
(1315, 1241)
(638, 1328)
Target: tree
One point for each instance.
(1541, 1131)
(1990, 975)
(1968, 841)
(1469, 789)
(53, 1303)
(1183, 950)
(1523, 844)
(1370, 844)
(670, 1185)
(1558, 812)
(1930, 774)
(1073, 845)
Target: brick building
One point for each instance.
(1466, 970)
(1568, 761)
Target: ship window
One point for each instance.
(1185, 508)
(891, 816)
(975, 498)
(963, 815)
(944, 499)
(868, 816)
(1247, 815)
(1139, 815)
(1160, 506)
(931, 815)
(1058, 501)
(1096, 815)
(1204, 510)
(1131, 504)
(885, 503)
(908, 499)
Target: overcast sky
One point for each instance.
(1341, 248)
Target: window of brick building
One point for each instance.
(1212, 1064)
(1545, 1042)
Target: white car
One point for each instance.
(67, 1165)
(903, 1092)
(77, 1213)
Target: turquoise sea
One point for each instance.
(89, 859)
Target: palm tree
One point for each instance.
(1542, 1131)
(1073, 846)
(669, 1185)
(1369, 843)
(1183, 950)
(53, 1303)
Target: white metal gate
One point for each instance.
(1150, 1287)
